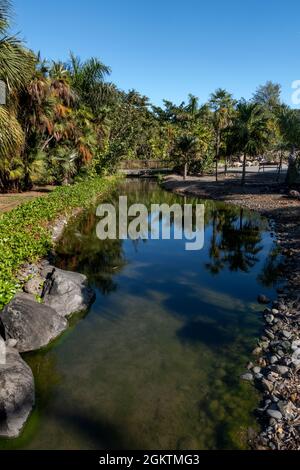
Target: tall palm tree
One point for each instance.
(222, 104)
(250, 132)
(16, 67)
(16, 62)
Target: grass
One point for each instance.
(25, 232)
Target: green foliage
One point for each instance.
(64, 121)
(25, 233)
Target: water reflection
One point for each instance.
(155, 364)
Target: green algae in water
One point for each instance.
(155, 363)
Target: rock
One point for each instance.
(263, 299)
(267, 385)
(274, 414)
(286, 345)
(31, 324)
(34, 286)
(296, 363)
(256, 370)
(286, 334)
(16, 394)
(258, 376)
(269, 334)
(265, 345)
(67, 292)
(282, 370)
(295, 344)
(287, 409)
(269, 319)
(296, 353)
(273, 359)
(294, 194)
(275, 311)
(248, 377)
(257, 351)
(11, 343)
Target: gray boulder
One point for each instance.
(16, 392)
(68, 292)
(31, 324)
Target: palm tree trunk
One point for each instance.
(226, 165)
(218, 144)
(185, 172)
(244, 170)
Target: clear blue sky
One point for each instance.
(169, 48)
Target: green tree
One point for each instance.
(268, 95)
(289, 125)
(250, 133)
(16, 66)
(222, 105)
(186, 151)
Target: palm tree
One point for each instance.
(250, 132)
(222, 104)
(88, 80)
(16, 67)
(289, 125)
(16, 62)
(186, 150)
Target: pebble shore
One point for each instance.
(275, 366)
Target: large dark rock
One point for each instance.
(68, 292)
(16, 392)
(32, 324)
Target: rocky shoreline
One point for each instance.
(31, 321)
(275, 368)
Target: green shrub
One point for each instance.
(25, 232)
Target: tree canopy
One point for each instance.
(65, 120)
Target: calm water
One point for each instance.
(155, 363)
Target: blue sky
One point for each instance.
(169, 48)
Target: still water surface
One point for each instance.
(155, 363)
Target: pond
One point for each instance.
(155, 363)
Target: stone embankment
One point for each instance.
(31, 321)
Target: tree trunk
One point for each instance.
(218, 145)
(244, 170)
(293, 175)
(185, 172)
(280, 165)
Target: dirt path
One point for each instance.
(10, 201)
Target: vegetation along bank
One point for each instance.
(26, 232)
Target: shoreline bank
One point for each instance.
(275, 366)
(39, 299)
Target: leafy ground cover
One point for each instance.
(25, 232)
